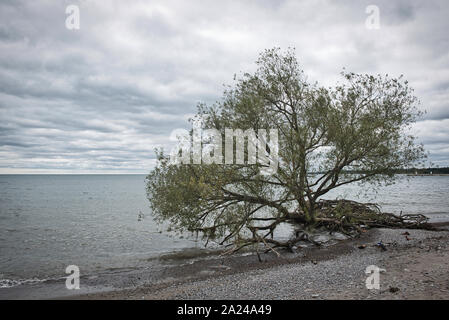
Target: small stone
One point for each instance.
(322, 238)
(393, 289)
(339, 236)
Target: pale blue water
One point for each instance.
(48, 222)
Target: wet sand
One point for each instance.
(417, 267)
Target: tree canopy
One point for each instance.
(354, 132)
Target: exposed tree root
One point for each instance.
(349, 216)
(345, 216)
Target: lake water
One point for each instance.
(48, 222)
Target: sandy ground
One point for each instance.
(416, 267)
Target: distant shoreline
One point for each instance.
(427, 174)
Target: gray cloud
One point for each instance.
(102, 97)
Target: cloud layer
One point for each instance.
(101, 98)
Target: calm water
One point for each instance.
(48, 222)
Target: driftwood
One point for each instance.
(348, 217)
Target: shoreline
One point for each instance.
(336, 271)
(417, 267)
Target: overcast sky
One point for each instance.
(101, 98)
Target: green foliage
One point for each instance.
(328, 137)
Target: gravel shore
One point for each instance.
(416, 267)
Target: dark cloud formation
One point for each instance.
(101, 98)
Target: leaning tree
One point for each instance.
(355, 132)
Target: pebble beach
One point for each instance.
(415, 266)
